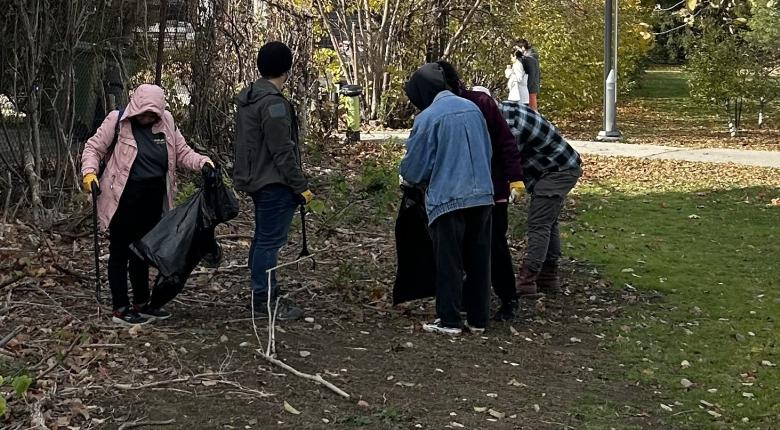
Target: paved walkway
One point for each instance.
(610, 149)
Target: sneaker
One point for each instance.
(506, 312)
(151, 313)
(287, 311)
(437, 327)
(475, 330)
(128, 317)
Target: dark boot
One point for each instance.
(548, 281)
(507, 311)
(526, 282)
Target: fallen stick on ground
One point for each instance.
(10, 336)
(169, 381)
(137, 424)
(270, 352)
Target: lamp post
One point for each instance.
(609, 131)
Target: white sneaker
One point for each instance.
(475, 330)
(436, 327)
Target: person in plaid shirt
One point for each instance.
(551, 169)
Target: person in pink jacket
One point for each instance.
(136, 187)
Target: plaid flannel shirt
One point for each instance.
(541, 146)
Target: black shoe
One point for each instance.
(128, 317)
(507, 311)
(287, 310)
(153, 314)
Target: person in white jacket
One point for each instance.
(517, 80)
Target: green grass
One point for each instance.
(666, 83)
(708, 261)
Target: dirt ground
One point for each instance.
(532, 373)
(549, 369)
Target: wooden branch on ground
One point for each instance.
(60, 360)
(10, 336)
(316, 378)
(72, 273)
(137, 424)
(169, 381)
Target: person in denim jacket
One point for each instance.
(449, 155)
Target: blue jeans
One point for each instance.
(274, 209)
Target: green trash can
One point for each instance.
(351, 95)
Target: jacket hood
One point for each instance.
(425, 84)
(146, 98)
(256, 91)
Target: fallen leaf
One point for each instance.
(288, 407)
(767, 363)
(748, 395)
(492, 395)
(537, 408)
(480, 409)
(135, 330)
(686, 383)
(685, 364)
(363, 404)
(693, 216)
(457, 425)
(514, 331)
(496, 414)
(714, 414)
(223, 339)
(575, 340)
(667, 408)
(209, 383)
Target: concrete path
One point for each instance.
(613, 149)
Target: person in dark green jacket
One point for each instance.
(268, 167)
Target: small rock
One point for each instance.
(686, 383)
(685, 364)
(748, 395)
(712, 390)
(492, 395)
(714, 414)
(243, 344)
(667, 408)
(325, 420)
(408, 345)
(457, 425)
(309, 319)
(480, 409)
(304, 354)
(223, 339)
(575, 340)
(537, 408)
(363, 404)
(767, 363)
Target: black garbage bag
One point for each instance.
(185, 236)
(416, 273)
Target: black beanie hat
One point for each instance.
(274, 59)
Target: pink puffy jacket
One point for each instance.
(146, 98)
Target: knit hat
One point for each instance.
(274, 59)
(425, 84)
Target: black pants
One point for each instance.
(461, 244)
(502, 274)
(139, 210)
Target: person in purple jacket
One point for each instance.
(507, 175)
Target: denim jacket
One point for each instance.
(449, 152)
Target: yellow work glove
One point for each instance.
(517, 189)
(88, 180)
(307, 196)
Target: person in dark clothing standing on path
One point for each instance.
(507, 176)
(530, 61)
(268, 167)
(551, 169)
(448, 153)
(137, 186)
